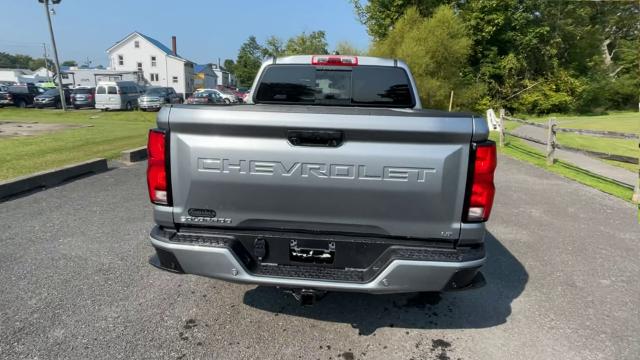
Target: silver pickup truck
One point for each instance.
(333, 179)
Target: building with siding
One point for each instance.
(156, 64)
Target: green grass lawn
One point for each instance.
(518, 149)
(621, 121)
(628, 122)
(109, 134)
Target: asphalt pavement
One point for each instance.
(562, 279)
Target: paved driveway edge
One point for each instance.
(50, 178)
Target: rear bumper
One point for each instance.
(108, 106)
(219, 259)
(149, 105)
(83, 103)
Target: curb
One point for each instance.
(50, 178)
(134, 155)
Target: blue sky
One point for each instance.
(205, 30)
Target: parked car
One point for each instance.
(19, 95)
(227, 96)
(246, 97)
(326, 196)
(51, 98)
(205, 97)
(83, 97)
(240, 95)
(3, 95)
(155, 97)
(117, 95)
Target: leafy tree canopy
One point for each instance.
(528, 55)
(21, 62)
(229, 64)
(248, 61)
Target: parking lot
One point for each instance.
(562, 279)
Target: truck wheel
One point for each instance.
(22, 104)
(129, 107)
(227, 101)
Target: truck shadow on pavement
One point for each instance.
(481, 308)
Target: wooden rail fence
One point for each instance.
(552, 144)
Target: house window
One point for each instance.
(139, 66)
(175, 79)
(154, 77)
(120, 60)
(136, 44)
(153, 61)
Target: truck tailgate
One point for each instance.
(393, 173)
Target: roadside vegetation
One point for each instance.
(107, 134)
(528, 56)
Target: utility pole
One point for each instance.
(55, 51)
(46, 61)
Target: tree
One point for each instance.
(273, 47)
(69, 63)
(346, 48)
(436, 49)
(533, 55)
(380, 16)
(307, 44)
(229, 65)
(248, 61)
(21, 62)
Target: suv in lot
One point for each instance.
(155, 97)
(335, 179)
(83, 97)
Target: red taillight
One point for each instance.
(334, 60)
(157, 168)
(481, 189)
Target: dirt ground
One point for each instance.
(11, 129)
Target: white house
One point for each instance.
(224, 77)
(44, 72)
(157, 64)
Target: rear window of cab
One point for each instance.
(375, 86)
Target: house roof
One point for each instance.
(153, 41)
(198, 68)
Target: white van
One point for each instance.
(117, 95)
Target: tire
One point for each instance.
(227, 101)
(21, 104)
(76, 107)
(143, 109)
(128, 107)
